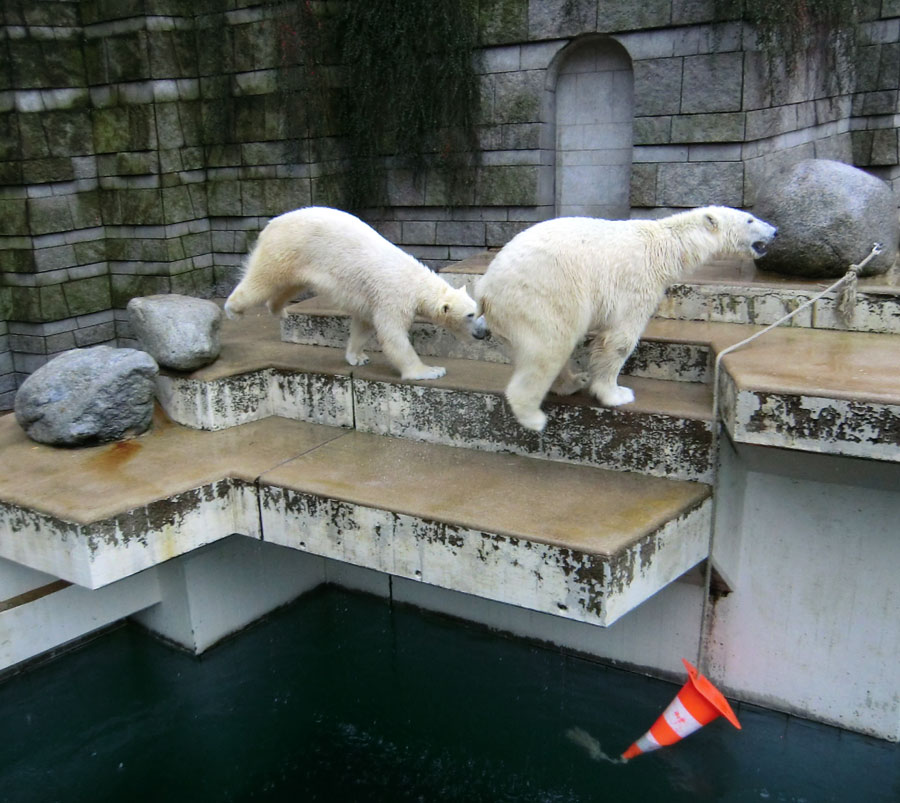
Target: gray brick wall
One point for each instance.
(143, 146)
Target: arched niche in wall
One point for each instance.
(593, 126)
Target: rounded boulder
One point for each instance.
(87, 396)
(179, 332)
(829, 215)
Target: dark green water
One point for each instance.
(342, 698)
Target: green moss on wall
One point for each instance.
(393, 77)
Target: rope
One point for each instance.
(846, 303)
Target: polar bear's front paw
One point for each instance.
(615, 396)
(357, 359)
(426, 372)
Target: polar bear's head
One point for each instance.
(738, 232)
(456, 310)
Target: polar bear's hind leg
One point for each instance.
(535, 370)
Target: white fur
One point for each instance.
(382, 288)
(560, 279)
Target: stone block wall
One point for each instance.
(144, 143)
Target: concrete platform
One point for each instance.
(666, 431)
(96, 515)
(814, 390)
(798, 388)
(578, 542)
(827, 392)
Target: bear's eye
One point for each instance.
(749, 220)
(446, 308)
(471, 315)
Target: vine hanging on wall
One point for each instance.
(808, 33)
(380, 85)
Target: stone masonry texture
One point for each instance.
(144, 145)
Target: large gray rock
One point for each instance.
(88, 396)
(828, 215)
(179, 332)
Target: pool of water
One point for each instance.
(342, 697)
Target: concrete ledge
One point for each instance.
(96, 515)
(98, 553)
(576, 541)
(827, 392)
(235, 400)
(666, 432)
(877, 307)
(812, 423)
(581, 543)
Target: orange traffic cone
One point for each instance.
(698, 703)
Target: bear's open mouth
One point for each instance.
(759, 248)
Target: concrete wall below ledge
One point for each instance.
(808, 544)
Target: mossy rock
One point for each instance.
(127, 57)
(50, 214)
(515, 185)
(85, 296)
(111, 129)
(16, 260)
(502, 21)
(126, 287)
(13, 217)
(53, 303)
(25, 304)
(69, 133)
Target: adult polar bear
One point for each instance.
(337, 256)
(558, 280)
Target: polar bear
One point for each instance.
(337, 256)
(558, 280)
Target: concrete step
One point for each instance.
(574, 541)
(736, 292)
(666, 432)
(796, 388)
(662, 353)
(578, 542)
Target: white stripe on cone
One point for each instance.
(647, 744)
(679, 719)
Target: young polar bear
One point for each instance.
(339, 257)
(558, 280)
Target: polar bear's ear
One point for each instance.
(711, 221)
